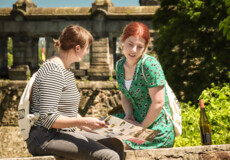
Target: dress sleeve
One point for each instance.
(50, 90)
(153, 73)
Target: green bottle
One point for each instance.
(205, 130)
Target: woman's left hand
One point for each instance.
(134, 122)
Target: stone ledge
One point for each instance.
(212, 152)
(32, 158)
(15, 84)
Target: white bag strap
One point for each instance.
(117, 64)
(168, 90)
(28, 89)
(142, 68)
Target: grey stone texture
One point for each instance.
(25, 23)
(98, 99)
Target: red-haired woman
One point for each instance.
(56, 98)
(143, 96)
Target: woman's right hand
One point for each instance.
(94, 123)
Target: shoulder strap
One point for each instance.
(142, 67)
(27, 91)
(117, 64)
(166, 85)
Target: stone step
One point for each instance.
(98, 65)
(100, 49)
(100, 60)
(100, 42)
(99, 54)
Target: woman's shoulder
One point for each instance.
(49, 67)
(149, 60)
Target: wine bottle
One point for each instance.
(205, 130)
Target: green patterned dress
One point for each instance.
(140, 98)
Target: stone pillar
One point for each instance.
(3, 57)
(25, 50)
(25, 57)
(100, 60)
(33, 58)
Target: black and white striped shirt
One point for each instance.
(54, 93)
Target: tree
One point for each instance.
(193, 45)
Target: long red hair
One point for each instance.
(136, 29)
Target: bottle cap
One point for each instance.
(201, 103)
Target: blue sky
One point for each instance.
(69, 3)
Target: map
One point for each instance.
(127, 131)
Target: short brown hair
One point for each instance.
(73, 35)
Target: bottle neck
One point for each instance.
(202, 103)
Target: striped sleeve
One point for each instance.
(50, 90)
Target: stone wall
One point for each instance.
(25, 23)
(98, 99)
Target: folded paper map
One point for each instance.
(125, 130)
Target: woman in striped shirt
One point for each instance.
(56, 97)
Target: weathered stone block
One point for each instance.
(80, 72)
(217, 155)
(21, 72)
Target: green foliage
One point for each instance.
(190, 130)
(10, 59)
(193, 46)
(39, 57)
(10, 45)
(225, 24)
(10, 52)
(217, 104)
(111, 78)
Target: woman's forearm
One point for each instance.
(68, 122)
(152, 114)
(157, 95)
(126, 105)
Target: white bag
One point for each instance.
(174, 106)
(26, 120)
(175, 110)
